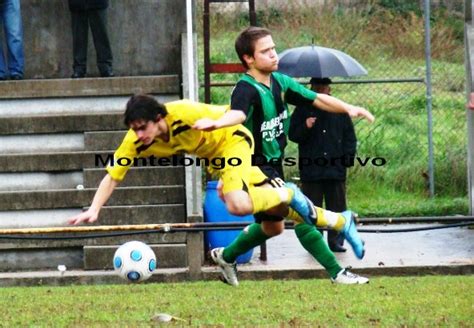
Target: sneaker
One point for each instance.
(351, 234)
(348, 278)
(229, 270)
(302, 204)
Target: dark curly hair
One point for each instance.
(143, 107)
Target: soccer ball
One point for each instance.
(134, 261)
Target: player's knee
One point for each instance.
(239, 208)
(273, 229)
(238, 203)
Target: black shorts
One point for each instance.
(273, 172)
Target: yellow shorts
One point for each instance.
(238, 172)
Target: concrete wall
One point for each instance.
(145, 37)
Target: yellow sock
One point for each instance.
(328, 219)
(291, 193)
(264, 198)
(293, 215)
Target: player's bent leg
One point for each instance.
(342, 222)
(238, 202)
(312, 240)
(273, 228)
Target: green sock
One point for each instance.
(249, 238)
(313, 242)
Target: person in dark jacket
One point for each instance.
(328, 141)
(85, 13)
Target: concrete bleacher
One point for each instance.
(51, 128)
(48, 171)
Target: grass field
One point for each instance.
(430, 301)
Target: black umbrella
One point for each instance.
(313, 61)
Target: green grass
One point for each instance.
(388, 302)
(381, 200)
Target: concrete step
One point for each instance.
(61, 123)
(40, 181)
(47, 257)
(250, 272)
(140, 176)
(39, 259)
(167, 256)
(142, 214)
(103, 140)
(36, 218)
(161, 84)
(80, 198)
(109, 215)
(72, 240)
(50, 162)
(97, 277)
(41, 143)
(75, 106)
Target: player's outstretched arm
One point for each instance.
(231, 117)
(103, 193)
(334, 105)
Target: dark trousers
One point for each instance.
(97, 20)
(333, 193)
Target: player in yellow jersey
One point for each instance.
(164, 130)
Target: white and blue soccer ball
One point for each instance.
(134, 261)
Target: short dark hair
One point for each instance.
(143, 107)
(245, 42)
(320, 81)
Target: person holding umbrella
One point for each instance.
(259, 101)
(329, 136)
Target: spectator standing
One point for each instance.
(10, 18)
(331, 138)
(93, 13)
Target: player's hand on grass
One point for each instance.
(355, 111)
(205, 124)
(88, 216)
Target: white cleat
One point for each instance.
(229, 270)
(348, 278)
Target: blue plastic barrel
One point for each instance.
(215, 211)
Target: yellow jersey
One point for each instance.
(182, 115)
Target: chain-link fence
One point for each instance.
(387, 38)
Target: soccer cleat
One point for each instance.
(352, 236)
(346, 277)
(229, 270)
(302, 204)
